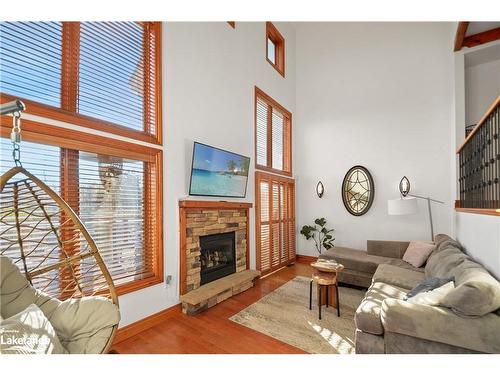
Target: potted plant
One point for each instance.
(319, 233)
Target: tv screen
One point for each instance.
(218, 173)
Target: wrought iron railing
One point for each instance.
(479, 163)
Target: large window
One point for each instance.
(273, 136)
(100, 76)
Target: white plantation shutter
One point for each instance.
(275, 224)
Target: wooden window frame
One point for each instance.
(287, 135)
(232, 24)
(274, 35)
(34, 131)
(291, 220)
(67, 112)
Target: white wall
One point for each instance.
(209, 74)
(482, 87)
(475, 82)
(480, 236)
(379, 95)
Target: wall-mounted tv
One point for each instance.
(218, 173)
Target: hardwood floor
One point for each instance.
(211, 331)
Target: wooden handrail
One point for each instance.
(495, 104)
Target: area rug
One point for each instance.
(284, 314)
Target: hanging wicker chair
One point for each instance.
(49, 244)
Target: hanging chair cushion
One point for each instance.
(82, 325)
(29, 332)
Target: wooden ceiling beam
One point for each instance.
(482, 38)
(460, 35)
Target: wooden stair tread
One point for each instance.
(216, 287)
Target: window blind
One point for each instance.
(272, 135)
(114, 197)
(106, 71)
(275, 221)
(30, 60)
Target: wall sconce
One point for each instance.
(404, 186)
(320, 189)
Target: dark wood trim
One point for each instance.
(232, 24)
(146, 323)
(482, 38)
(275, 36)
(184, 207)
(305, 259)
(460, 35)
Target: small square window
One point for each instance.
(275, 48)
(271, 51)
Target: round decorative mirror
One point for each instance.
(358, 190)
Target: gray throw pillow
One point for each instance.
(428, 285)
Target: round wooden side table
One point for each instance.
(326, 278)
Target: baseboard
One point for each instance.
(146, 323)
(305, 259)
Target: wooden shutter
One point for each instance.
(275, 221)
(102, 75)
(273, 135)
(117, 198)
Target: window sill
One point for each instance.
(272, 170)
(480, 211)
(280, 71)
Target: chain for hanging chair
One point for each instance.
(15, 138)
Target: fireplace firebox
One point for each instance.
(218, 257)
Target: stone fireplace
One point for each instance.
(214, 252)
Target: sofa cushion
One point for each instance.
(418, 252)
(368, 313)
(398, 276)
(443, 262)
(477, 292)
(355, 259)
(29, 332)
(389, 249)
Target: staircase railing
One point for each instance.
(479, 165)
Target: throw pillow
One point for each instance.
(427, 285)
(29, 332)
(433, 297)
(418, 252)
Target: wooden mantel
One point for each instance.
(213, 204)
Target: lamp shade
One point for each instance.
(402, 206)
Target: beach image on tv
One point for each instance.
(218, 172)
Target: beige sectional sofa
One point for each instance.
(360, 266)
(468, 321)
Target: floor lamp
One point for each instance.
(407, 203)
